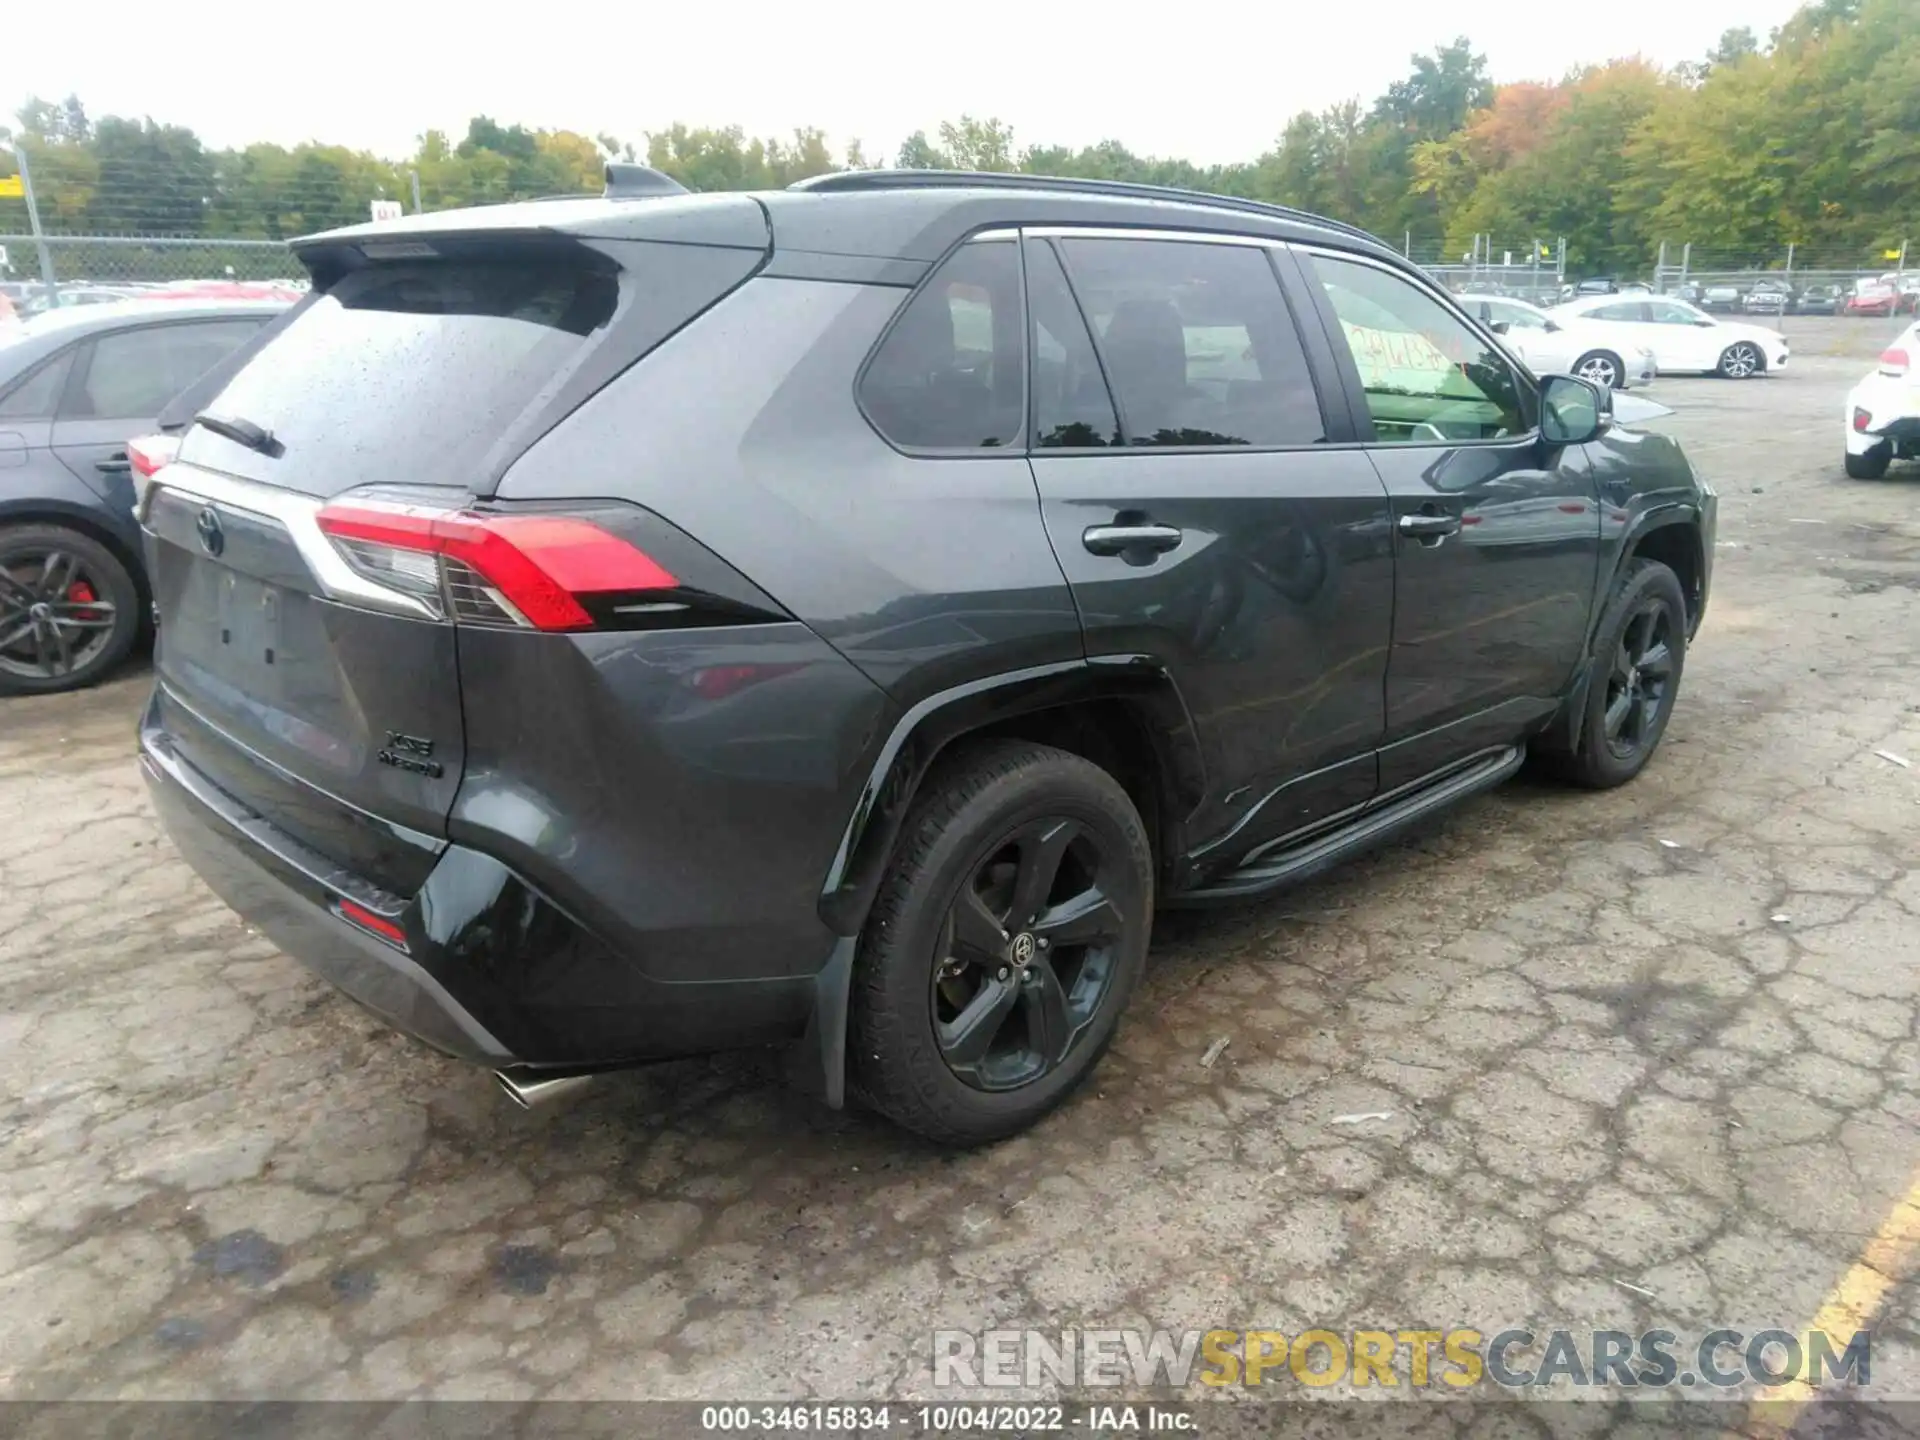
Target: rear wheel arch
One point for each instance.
(1125, 715)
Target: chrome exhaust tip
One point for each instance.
(537, 1094)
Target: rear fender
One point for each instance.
(916, 741)
(925, 731)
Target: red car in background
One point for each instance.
(229, 290)
(1881, 300)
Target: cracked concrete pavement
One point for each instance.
(1648, 1059)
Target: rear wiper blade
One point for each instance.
(241, 432)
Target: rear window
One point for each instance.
(411, 373)
(443, 371)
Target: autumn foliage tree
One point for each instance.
(1809, 136)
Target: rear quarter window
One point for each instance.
(950, 374)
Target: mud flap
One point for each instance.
(1564, 732)
(817, 1063)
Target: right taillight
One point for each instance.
(1895, 361)
(146, 457)
(1862, 420)
(539, 572)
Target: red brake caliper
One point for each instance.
(81, 593)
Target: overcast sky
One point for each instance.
(1204, 82)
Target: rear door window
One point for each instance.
(1072, 408)
(1515, 317)
(1667, 312)
(37, 396)
(1197, 342)
(950, 374)
(133, 373)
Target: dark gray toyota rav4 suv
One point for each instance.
(605, 630)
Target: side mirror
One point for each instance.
(1501, 327)
(1553, 327)
(1704, 323)
(1573, 411)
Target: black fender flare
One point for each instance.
(916, 740)
(1565, 731)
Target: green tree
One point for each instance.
(971, 144)
(919, 153)
(1812, 137)
(154, 179)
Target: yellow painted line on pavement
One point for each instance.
(1853, 1304)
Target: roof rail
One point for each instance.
(841, 181)
(627, 181)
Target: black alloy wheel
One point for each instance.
(68, 610)
(1633, 678)
(1640, 684)
(1026, 955)
(1006, 938)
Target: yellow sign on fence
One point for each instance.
(13, 185)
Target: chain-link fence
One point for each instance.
(1870, 281)
(85, 229)
(86, 269)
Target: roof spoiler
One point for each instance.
(627, 181)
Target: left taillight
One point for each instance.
(537, 572)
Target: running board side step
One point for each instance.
(1371, 827)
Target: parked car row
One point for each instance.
(1890, 295)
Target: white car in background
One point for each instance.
(1883, 411)
(1562, 345)
(1684, 340)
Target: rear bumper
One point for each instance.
(491, 972)
(1894, 408)
(262, 875)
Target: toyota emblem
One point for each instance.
(207, 526)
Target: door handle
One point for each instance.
(114, 464)
(1429, 527)
(1120, 539)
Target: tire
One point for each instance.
(80, 628)
(1742, 360)
(983, 814)
(1603, 367)
(1872, 465)
(1598, 762)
